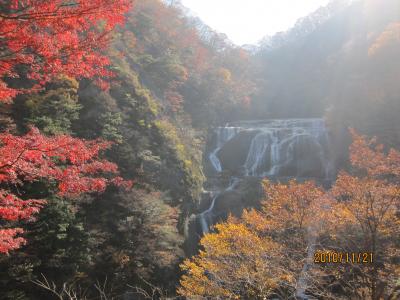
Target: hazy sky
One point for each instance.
(246, 22)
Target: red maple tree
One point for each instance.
(44, 39)
(69, 162)
(52, 37)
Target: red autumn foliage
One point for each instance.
(48, 38)
(52, 37)
(69, 162)
(9, 241)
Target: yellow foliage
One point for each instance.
(225, 74)
(237, 262)
(263, 253)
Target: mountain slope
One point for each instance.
(326, 60)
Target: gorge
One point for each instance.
(132, 130)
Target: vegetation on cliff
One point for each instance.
(104, 112)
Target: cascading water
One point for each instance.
(257, 155)
(206, 216)
(224, 134)
(280, 149)
(291, 148)
(277, 149)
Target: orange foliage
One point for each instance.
(369, 156)
(292, 205)
(358, 214)
(391, 36)
(365, 215)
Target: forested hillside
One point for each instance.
(340, 62)
(166, 72)
(115, 156)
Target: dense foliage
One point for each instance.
(49, 38)
(163, 67)
(95, 91)
(33, 34)
(272, 253)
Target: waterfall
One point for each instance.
(257, 153)
(223, 134)
(206, 216)
(279, 148)
(291, 148)
(253, 150)
(233, 183)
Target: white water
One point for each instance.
(224, 134)
(273, 145)
(206, 217)
(233, 183)
(274, 151)
(257, 152)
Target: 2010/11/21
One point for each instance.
(326, 257)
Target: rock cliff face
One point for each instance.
(241, 154)
(233, 154)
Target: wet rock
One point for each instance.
(306, 158)
(233, 153)
(246, 194)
